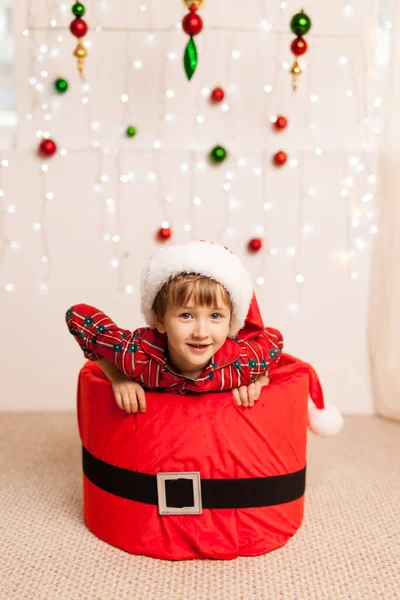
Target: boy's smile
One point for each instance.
(194, 333)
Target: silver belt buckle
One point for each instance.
(163, 509)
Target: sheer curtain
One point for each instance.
(384, 304)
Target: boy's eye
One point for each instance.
(184, 315)
(217, 315)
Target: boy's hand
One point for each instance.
(129, 395)
(246, 395)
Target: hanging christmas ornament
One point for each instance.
(79, 28)
(300, 24)
(217, 95)
(47, 148)
(280, 123)
(254, 245)
(60, 85)
(279, 158)
(78, 10)
(163, 234)
(131, 131)
(218, 154)
(299, 46)
(192, 24)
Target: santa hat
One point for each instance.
(204, 258)
(218, 263)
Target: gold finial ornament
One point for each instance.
(81, 53)
(295, 71)
(197, 3)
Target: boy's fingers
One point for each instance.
(126, 402)
(133, 403)
(118, 400)
(251, 393)
(141, 399)
(243, 395)
(235, 393)
(258, 390)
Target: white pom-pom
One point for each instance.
(324, 421)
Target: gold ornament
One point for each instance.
(81, 53)
(198, 3)
(295, 71)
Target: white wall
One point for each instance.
(40, 359)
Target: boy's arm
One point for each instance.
(100, 338)
(111, 371)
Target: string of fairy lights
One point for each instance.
(358, 170)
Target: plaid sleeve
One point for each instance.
(99, 337)
(260, 355)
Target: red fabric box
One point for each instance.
(206, 433)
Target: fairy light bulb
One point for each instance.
(348, 10)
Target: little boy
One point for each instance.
(205, 330)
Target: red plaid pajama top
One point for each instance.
(143, 353)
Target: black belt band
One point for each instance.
(215, 493)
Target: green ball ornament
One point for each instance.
(78, 10)
(131, 131)
(61, 86)
(218, 154)
(300, 24)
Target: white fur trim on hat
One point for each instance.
(205, 258)
(324, 421)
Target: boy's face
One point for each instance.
(194, 334)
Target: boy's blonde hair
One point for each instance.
(178, 290)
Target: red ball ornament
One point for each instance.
(192, 24)
(280, 123)
(78, 28)
(299, 46)
(255, 245)
(279, 158)
(217, 95)
(47, 148)
(164, 233)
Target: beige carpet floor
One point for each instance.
(348, 546)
